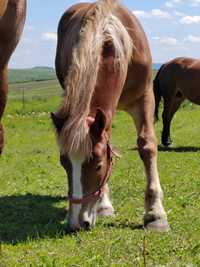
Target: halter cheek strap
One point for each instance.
(99, 192)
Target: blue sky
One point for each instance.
(172, 28)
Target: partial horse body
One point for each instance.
(103, 62)
(176, 80)
(12, 18)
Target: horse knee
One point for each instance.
(1, 138)
(147, 148)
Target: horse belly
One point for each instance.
(190, 85)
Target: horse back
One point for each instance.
(139, 71)
(180, 76)
(69, 25)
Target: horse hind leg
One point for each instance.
(155, 217)
(170, 108)
(166, 117)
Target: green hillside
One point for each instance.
(33, 74)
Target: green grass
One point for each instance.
(33, 190)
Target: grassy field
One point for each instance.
(33, 190)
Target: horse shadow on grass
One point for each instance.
(179, 149)
(27, 217)
(31, 217)
(124, 225)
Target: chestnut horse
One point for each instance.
(12, 18)
(103, 61)
(176, 80)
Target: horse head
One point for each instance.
(87, 174)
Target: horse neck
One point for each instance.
(3, 6)
(108, 90)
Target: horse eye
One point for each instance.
(98, 168)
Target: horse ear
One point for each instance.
(57, 121)
(97, 127)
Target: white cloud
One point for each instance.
(169, 4)
(160, 14)
(141, 14)
(171, 41)
(173, 3)
(190, 20)
(154, 13)
(179, 14)
(49, 36)
(193, 39)
(195, 3)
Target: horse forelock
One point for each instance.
(75, 138)
(98, 26)
(3, 7)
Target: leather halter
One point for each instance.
(98, 193)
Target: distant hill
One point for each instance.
(32, 74)
(40, 74)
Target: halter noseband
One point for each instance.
(98, 193)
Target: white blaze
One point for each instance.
(77, 190)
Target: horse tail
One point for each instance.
(157, 92)
(99, 26)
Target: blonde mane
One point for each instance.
(3, 7)
(99, 26)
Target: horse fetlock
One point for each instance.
(153, 196)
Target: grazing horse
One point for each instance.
(103, 62)
(176, 80)
(12, 18)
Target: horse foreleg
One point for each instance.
(105, 208)
(155, 216)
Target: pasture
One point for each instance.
(33, 189)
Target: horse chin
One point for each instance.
(86, 220)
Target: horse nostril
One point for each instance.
(86, 225)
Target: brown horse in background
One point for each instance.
(176, 81)
(12, 18)
(103, 62)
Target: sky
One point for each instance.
(172, 28)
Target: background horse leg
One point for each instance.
(171, 105)
(3, 99)
(155, 217)
(105, 207)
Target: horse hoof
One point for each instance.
(106, 212)
(167, 143)
(159, 225)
